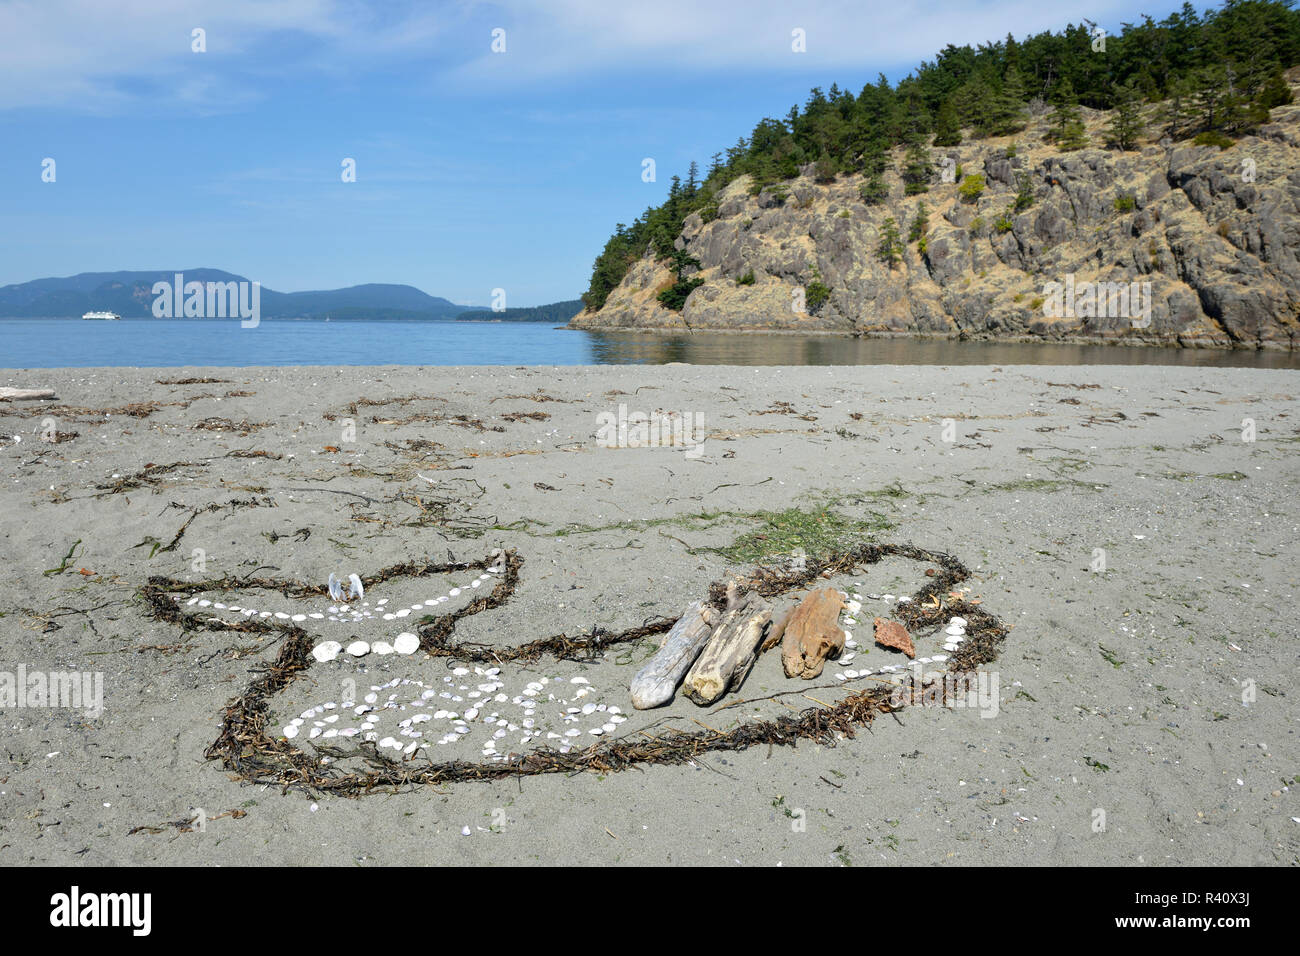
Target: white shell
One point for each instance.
(291, 731)
(359, 649)
(382, 648)
(326, 651)
(406, 643)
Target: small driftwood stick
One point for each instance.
(777, 629)
(726, 660)
(813, 634)
(656, 683)
(26, 393)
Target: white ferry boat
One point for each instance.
(107, 316)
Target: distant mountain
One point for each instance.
(130, 294)
(560, 312)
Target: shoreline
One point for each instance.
(1198, 344)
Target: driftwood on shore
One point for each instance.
(776, 631)
(26, 394)
(812, 634)
(726, 660)
(656, 683)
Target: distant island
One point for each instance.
(559, 312)
(130, 295)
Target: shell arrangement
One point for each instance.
(418, 726)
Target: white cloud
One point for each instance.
(90, 55)
(578, 37)
(101, 57)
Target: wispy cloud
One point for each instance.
(100, 57)
(575, 38)
(92, 56)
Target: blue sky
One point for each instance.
(475, 169)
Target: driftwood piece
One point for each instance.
(727, 658)
(656, 683)
(26, 393)
(813, 634)
(776, 630)
(893, 635)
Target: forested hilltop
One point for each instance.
(1165, 154)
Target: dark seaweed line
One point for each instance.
(245, 749)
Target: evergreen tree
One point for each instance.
(1126, 127)
(920, 224)
(917, 170)
(874, 191)
(947, 128)
(890, 249)
(1024, 193)
(1005, 111)
(1217, 103)
(1177, 114)
(1066, 127)
(1275, 92)
(1065, 109)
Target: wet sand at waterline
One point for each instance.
(1135, 536)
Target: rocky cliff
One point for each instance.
(1210, 235)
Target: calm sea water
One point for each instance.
(54, 343)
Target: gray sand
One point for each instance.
(1154, 691)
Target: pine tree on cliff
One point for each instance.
(1004, 113)
(1216, 99)
(1177, 113)
(890, 249)
(920, 224)
(917, 170)
(1126, 126)
(947, 128)
(1067, 129)
(1275, 91)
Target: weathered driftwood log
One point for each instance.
(727, 658)
(656, 683)
(813, 634)
(26, 393)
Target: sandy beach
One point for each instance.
(1133, 527)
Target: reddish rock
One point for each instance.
(894, 636)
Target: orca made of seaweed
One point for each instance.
(246, 749)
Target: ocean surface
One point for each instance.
(57, 343)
